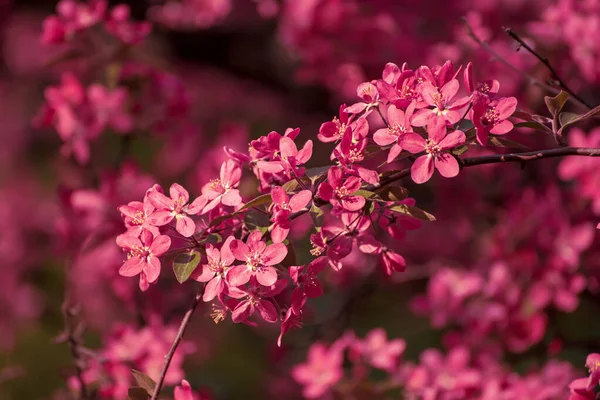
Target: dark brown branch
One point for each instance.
(182, 327)
(530, 156)
(546, 62)
(493, 52)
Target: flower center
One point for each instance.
(397, 129)
(483, 88)
(431, 147)
(491, 116)
(254, 260)
(341, 192)
(355, 156)
(139, 218)
(438, 101)
(141, 252)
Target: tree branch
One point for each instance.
(493, 52)
(530, 156)
(182, 327)
(546, 62)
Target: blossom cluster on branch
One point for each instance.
(171, 214)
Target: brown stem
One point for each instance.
(182, 327)
(529, 78)
(530, 156)
(546, 62)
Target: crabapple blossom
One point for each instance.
(436, 148)
(175, 207)
(214, 271)
(224, 189)
(143, 254)
(283, 206)
(259, 258)
(339, 191)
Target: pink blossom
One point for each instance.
(224, 190)
(281, 209)
(254, 297)
(184, 392)
(393, 261)
(378, 351)
(214, 271)
(491, 117)
(442, 100)
(175, 207)
(259, 260)
(289, 158)
(369, 95)
(120, 25)
(142, 257)
(339, 191)
(436, 148)
(321, 371)
(72, 17)
(399, 124)
(488, 88)
(332, 131)
(592, 362)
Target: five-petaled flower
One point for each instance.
(282, 207)
(142, 257)
(491, 117)
(399, 124)
(175, 207)
(254, 297)
(214, 271)
(259, 260)
(339, 191)
(223, 190)
(436, 148)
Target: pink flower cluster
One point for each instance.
(505, 299)
(80, 114)
(583, 172)
(74, 17)
(345, 368)
(127, 347)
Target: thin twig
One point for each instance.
(493, 52)
(546, 62)
(182, 327)
(530, 156)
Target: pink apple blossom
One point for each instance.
(259, 259)
(283, 206)
(175, 207)
(143, 254)
(436, 148)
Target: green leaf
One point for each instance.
(524, 115)
(555, 104)
(257, 201)
(184, 264)
(393, 193)
(533, 125)
(137, 393)
(213, 238)
(567, 118)
(570, 119)
(220, 219)
(291, 186)
(257, 220)
(366, 194)
(460, 150)
(144, 381)
(317, 215)
(412, 211)
(503, 142)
